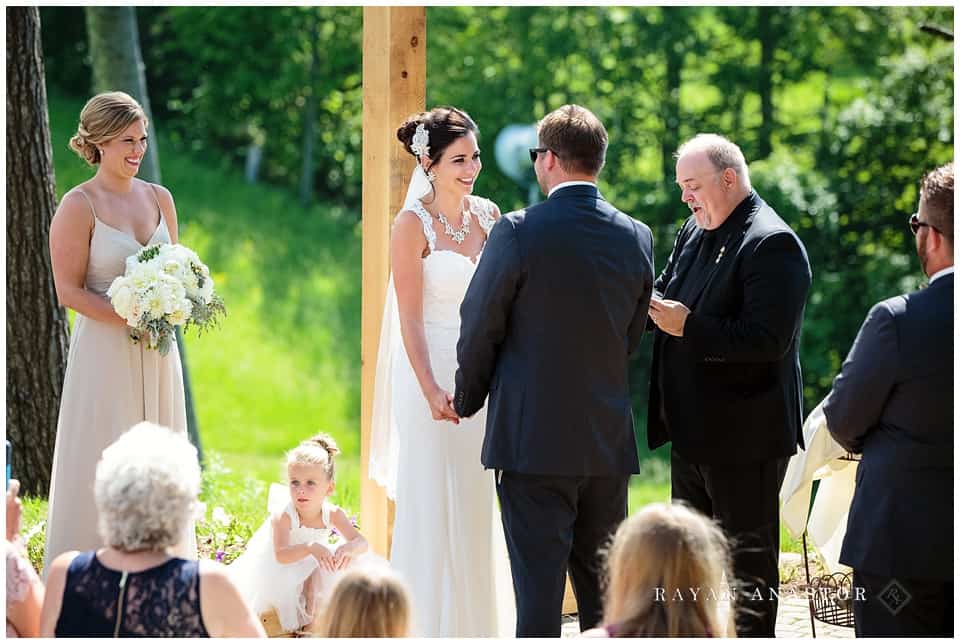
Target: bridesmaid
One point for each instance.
(111, 383)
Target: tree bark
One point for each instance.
(766, 32)
(118, 65)
(37, 325)
(310, 112)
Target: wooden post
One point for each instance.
(394, 86)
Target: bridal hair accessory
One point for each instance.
(419, 144)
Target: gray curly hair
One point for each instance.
(146, 488)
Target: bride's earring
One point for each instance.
(431, 176)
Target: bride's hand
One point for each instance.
(441, 405)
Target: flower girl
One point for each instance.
(292, 561)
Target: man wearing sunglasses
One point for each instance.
(556, 306)
(893, 403)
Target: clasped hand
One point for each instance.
(441, 405)
(669, 315)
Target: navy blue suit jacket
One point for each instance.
(893, 403)
(557, 305)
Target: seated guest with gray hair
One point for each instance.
(146, 494)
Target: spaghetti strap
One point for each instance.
(153, 187)
(89, 201)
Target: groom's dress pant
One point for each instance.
(553, 523)
(744, 499)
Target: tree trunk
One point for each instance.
(766, 31)
(118, 65)
(310, 112)
(36, 323)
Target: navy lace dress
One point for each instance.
(163, 601)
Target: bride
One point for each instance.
(448, 541)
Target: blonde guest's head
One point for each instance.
(367, 602)
(657, 556)
(105, 117)
(146, 488)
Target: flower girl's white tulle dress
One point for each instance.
(295, 590)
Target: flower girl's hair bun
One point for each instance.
(316, 450)
(444, 125)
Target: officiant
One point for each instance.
(725, 384)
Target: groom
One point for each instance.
(557, 305)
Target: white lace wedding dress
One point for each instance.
(448, 541)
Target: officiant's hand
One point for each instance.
(669, 315)
(441, 405)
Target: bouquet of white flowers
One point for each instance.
(165, 285)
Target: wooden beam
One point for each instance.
(394, 86)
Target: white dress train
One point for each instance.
(448, 542)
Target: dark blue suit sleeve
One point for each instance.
(640, 317)
(484, 315)
(861, 389)
(775, 285)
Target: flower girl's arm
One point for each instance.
(357, 542)
(70, 233)
(282, 550)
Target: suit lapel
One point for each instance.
(720, 257)
(688, 252)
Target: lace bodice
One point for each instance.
(479, 207)
(163, 601)
(447, 273)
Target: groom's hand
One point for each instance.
(669, 315)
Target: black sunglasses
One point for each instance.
(535, 151)
(915, 224)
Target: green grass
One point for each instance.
(286, 361)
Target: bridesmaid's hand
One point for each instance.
(441, 405)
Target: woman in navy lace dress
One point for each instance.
(145, 491)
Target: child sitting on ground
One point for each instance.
(292, 561)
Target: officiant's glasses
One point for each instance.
(915, 224)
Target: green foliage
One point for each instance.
(859, 104)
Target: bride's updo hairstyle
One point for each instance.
(317, 450)
(104, 117)
(444, 125)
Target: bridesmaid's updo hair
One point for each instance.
(317, 450)
(103, 118)
(444, 126)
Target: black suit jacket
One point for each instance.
(731, 388)
(893, 402)
(557, 304)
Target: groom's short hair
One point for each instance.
(576, 136)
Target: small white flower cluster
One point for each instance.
(164, 285)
